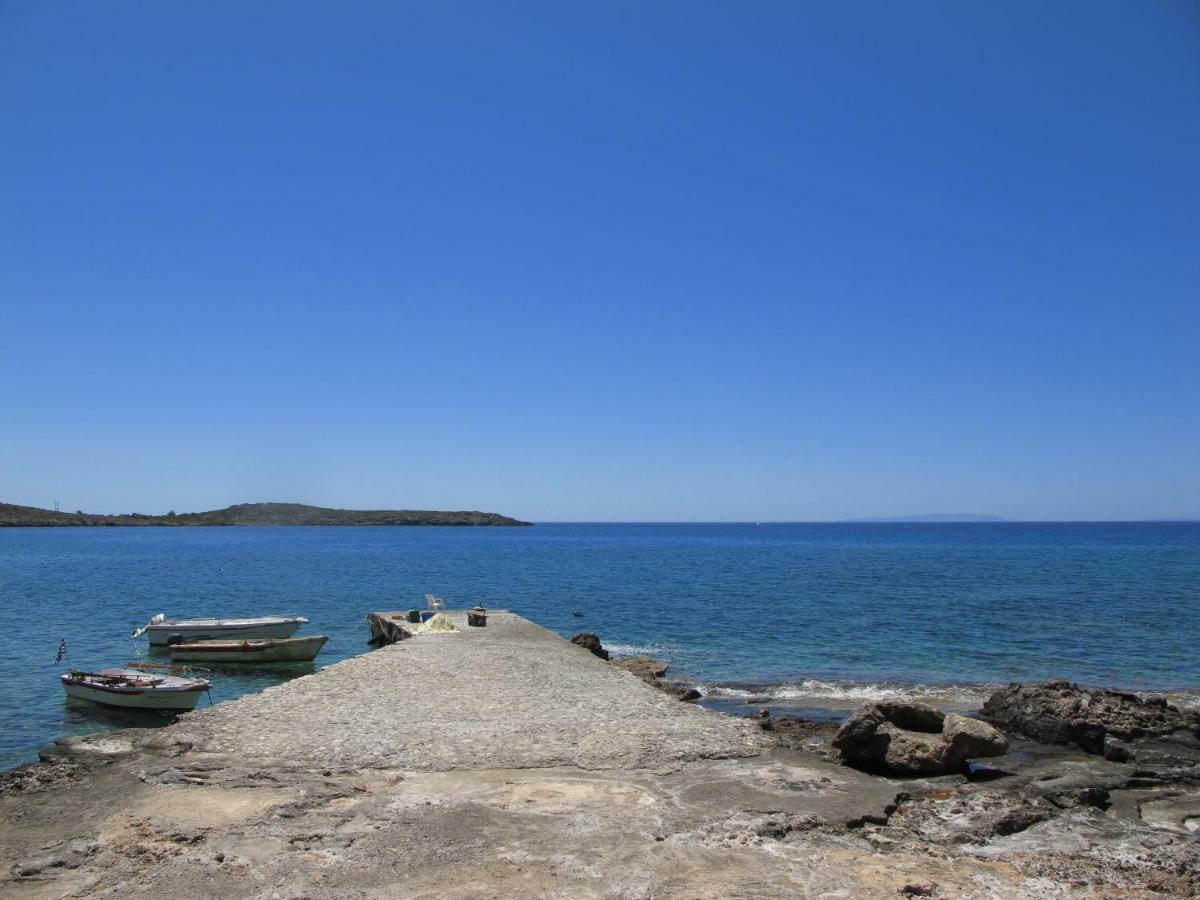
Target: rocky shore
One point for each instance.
(504, 762)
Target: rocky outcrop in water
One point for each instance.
(643, 667)
(652, 671)
(914, 739)
(591, 643)
(1104, 722)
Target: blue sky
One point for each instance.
(619, 261)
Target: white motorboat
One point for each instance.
(297, 649)
(161, 630)
(134, 689)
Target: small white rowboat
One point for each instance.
(160, 629)
(132, 689)
(301, 649)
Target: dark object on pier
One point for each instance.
(388, 628)
(414, 616)
(477, 617)
(591, 643)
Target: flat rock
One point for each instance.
(642, 666)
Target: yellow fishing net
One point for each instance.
(439, 624)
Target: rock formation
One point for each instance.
(652, 671)
(591, 643)
(643, 667)
(1097, 721)
(915, 739)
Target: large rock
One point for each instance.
(591, 643)
(643, 667)
(915, 739)
(1059, 712)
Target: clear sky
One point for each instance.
(603, 261)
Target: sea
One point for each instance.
(814, 618)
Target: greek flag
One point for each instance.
(62, 651)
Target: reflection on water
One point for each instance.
(84, 716)
(274, 671)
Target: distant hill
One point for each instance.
(254, 514)
(938, 517)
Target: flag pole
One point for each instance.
(63, 653)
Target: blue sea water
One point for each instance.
(818, 614)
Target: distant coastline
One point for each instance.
(936, 517)
(13, 516)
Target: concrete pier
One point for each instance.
(489, 762)
(511, 695)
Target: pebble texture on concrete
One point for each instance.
(511, 695)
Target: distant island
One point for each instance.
(13, 516)
(938, 517)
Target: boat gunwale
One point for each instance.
(198, 685)
(226, 623)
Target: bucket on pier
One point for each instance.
(414, 615)
(477, 617)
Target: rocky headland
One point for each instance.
(15, 516)
(504, 761)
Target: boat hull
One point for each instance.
(302, 649)
(229, 630)
(148, 698)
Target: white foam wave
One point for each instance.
(1185, 700)
(617, 650)
(844, 693)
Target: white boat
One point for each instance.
(133, 689)
(297, 649)
(161, 629)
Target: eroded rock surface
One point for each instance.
(915, 739)
(643, 667)
(1098, 721)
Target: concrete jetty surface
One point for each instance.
(510, 695)
(493, 762)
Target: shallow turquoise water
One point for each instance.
(820, 614)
